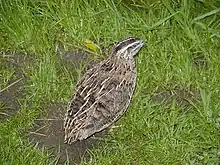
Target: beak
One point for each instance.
(142, 42)
(139, 45)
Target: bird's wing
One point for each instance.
(101, 98)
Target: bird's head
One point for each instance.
(127, 48)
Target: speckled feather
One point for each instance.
(102, 96)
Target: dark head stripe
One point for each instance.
(124, 43)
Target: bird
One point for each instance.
(104, 93)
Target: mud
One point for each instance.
(14, 89)
(184, 96)
(48, 132)
(9, 103)
(77, 57)
(71, 54)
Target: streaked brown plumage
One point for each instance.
(104, 93)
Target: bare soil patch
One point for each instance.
(14, 88)
(48, 132)
(183, 96)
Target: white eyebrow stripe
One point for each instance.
(125, 48)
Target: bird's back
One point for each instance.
(101, 98)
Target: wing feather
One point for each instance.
(101, 98)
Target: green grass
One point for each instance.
(177, 33)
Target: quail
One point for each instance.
(104, 93)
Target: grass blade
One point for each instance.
(205, 15)
(161, 21)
